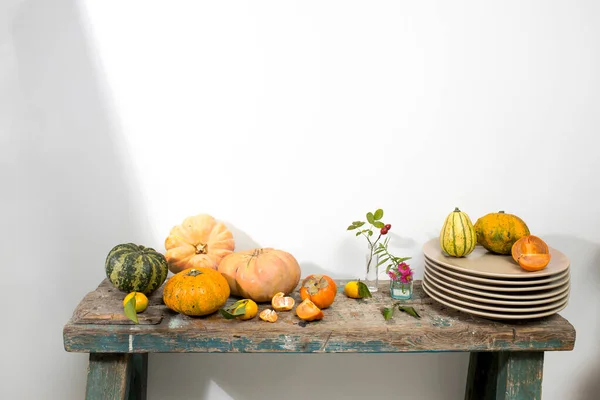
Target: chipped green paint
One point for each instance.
(370, 346)
(178, 321)
(440, 322)
(500, 345)
(115, 340)
(505, 375)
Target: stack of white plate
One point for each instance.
(495, 286)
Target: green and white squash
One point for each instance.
(134, 268)
(458, 237)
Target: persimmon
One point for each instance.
(320, 289)
(531, 253)
(268, 315)
(281, 302)
(308, 311)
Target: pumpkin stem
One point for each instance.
(257, 252)
(500, 212)
(201, 248)
(194, 272)
(456, 209)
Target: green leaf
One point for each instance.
(378, 214)
(378, 224)
(363, 290)
(410, 311)
(388, 312)
(370, 232)
(236, 309)
(370, 218)
(354, 225)
(358, 233)
(129, 310)
(383, 261)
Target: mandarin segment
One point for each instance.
(268, 315)
(281, 302)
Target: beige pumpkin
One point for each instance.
(198, 242)
(259, 274)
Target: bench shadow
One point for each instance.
(575, 374)
(315, 376)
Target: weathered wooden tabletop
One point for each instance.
(99, 325)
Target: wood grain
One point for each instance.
(349, 326)
(139, 378)
(108, 376)
(505, 376)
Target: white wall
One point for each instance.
(288, 120)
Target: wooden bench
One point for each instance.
(506, 360)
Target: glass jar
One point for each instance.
(400, 290)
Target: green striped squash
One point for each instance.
(458, 237)
(134, 268)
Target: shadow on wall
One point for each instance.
(71, 196)
(310, 376)
(575, 374)
(243, 241)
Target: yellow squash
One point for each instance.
(458, 237)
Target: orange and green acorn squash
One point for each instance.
(134, 268)
(497, 232)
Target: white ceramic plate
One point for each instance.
(491, 315)
(481, 306)
(499, 295)
(504, 306)
(502, 282)
(531, 288)
(489, 265)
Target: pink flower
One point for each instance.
(404, 268)
(392, 275)
(406, 278)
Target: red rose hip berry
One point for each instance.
(384, 231)
(388, 226)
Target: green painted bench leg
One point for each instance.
(505, 376)
(139, 380)
(108, 376)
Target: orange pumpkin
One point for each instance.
(199, 242)
(259, 274)
(196, 291)
(320, 289)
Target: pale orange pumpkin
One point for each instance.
(199, 242)
(259, 274)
